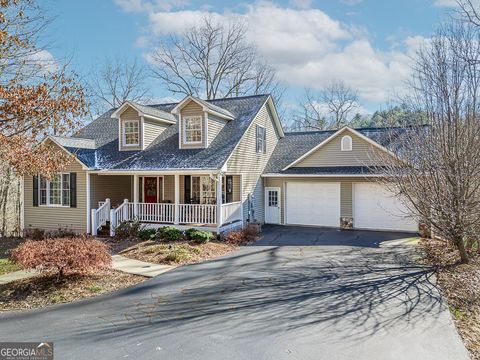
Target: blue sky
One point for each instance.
(366, 43)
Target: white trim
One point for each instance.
(22, 207)
(187, 99)
(278, 123)
(142, 131)
(184, 130)
(324, 175)
(157, 172)
(205, 118)
(346, 148)
(124, 135)
(117, 113)
(89, 212)
(84, 167)
(334, 135)
(47, 189)
(279, 201)
(180, 127)
(158, 187)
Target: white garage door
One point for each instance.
(374, 207)
(313, 204)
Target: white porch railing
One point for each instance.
(100, 216)
(231, 212)
(197, 214)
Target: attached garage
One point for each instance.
(374, 207)
(312, 203)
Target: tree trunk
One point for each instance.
(462, 250)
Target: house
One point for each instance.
(215, 165)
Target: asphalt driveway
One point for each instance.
(299, 293)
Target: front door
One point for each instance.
(150, 190)
(272, 205)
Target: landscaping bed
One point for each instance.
(460, 284)
(41, 291)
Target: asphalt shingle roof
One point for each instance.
(152, 111)
(164, 152)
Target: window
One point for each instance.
(203, 190)
(131, 135)
(346, 143)
(261, 139)
(192, 129)
(55, 192)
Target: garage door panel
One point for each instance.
(374, 207)
(313, 204)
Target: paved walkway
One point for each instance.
(137, 267)
(119, 263)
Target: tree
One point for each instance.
(469, 11)
(329, 108)
(213, 60)
(441, 179)
(116, 81)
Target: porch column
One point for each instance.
(219, 200)
(177, 198)
(135, 195)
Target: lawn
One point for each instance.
(6, 266)
(177, 252)
(460, 284)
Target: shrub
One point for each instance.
(178, 254)
(63, 256)
(201, 237)
(242, 237)
(147, 234)
(35, 234)
(189, 232)
(128, 230)
(64, 232)
(169, 233)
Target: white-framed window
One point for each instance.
(346, 143)
(203, 190)
(192, 129)
(131, 133)
(261, 139)
(54, 192)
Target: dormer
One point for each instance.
(139, 125)
(199, 122)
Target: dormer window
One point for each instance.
(131, 133)
(346, 143)
(192, 129)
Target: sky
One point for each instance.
(368, 44)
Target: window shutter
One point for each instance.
(257, 143)
(187, 189)
(73, 190)
(35, 191)
(264, 140)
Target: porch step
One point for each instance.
(104, 231)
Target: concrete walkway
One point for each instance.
(131, 266)
(17, 275)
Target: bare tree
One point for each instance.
(441, 180)
(328, 109)
(469, 11)
(213, 60)
(116, 81)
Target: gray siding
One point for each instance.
(130, 114)
(362, 154)
(151, 130)
(169, 188)
(192, 109)
(246, 161)
(215, 125)
(53, 218)
(346, 191)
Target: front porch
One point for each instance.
(207, 201)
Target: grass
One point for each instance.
(177, 252)
(6, 266)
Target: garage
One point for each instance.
(313, 203)
(374, 207)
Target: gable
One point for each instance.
(363, 153)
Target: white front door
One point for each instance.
(272, 205)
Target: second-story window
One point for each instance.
(192, 129)
(261, 142)
(131, 134)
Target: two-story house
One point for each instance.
(215, 165)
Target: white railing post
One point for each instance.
(93, 221)
(107, 210)
(113, 222)
(135, 195)
(125, 210)
(177, 199)
(219, 199)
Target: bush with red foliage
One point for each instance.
(63, 256)
(242, 237)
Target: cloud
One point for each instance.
(147, 6)
(44, 61)
(445, 3)
(351, 2)
(301, 4)
(307, 47)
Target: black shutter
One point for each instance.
(73, 190)
(257, 129)
(264, 140)
(187, 189)
(35, 191)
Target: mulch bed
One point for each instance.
(42, 291)
(460, 284)
(177, 252)
(7, 244)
